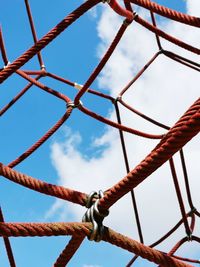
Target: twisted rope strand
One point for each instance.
(8, 245)
(166, 36)
(43, 187)
(119, 126)
(42, 140)
(51, 131)
(89, 90)
(160, 240)
(185, 129)
(44, 229)
(49, 37)
(102, 63)
(28, 9)
(126, 162)
(141, 250)
(179, 196)
(168, 12)
(69, 251)
(55, 229)
(18, 96)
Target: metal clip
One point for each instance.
(43, 67)
(78, 86)
(72, 104)
(127, 21)
(8, 63)
(106, 1)
(94, 216)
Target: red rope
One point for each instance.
(139, 74)
(89, 90)
(187, 127)
(44, 229)
(43, 187)
(8, 245)
(166, 36)
(141, 250)
(69, 251)
(3, 49)
(120, 10)
(17, 97)
(169, 13)
(55, 229)
(49, 37)
(28, 9)
(119, 126)
(102, 63)
(179, 196)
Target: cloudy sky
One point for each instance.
(86, 155)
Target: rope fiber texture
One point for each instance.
(171, 139)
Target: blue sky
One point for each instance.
(82, 142)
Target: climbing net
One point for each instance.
(98, 203)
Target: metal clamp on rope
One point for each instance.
(78, 86)
(72, 104)
(106, 1)
(127, 21)
(94, 216)
(135, 15)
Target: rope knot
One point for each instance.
(94, 216)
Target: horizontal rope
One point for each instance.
(43, 187)
(169, 13)
(55, 229)
(119, 126)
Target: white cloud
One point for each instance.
(193, 7)
(164, 92)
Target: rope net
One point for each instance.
(170, 142)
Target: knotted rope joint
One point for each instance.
(94, 216)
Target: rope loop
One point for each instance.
(94, 216)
